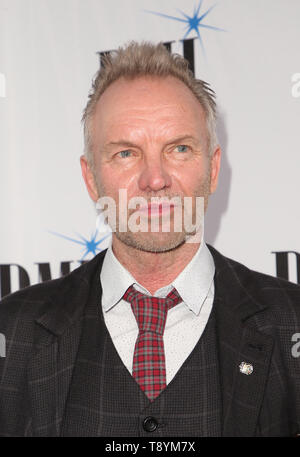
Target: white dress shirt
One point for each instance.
(185, 322)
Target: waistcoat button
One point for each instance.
(150, 424)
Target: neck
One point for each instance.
(151, 269)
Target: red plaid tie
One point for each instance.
(149, 368)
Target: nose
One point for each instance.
(154, 175)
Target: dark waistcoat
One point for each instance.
(105, 400)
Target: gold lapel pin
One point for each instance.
(246, 368)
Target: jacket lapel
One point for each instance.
(239, 341)
(57, 335)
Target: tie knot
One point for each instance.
(151, 312)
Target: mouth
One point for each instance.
(156, 209)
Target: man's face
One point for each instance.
(149, 137)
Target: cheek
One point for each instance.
(113, 179)
(191, 178)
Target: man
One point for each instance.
(160, 335)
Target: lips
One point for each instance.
(154, 209)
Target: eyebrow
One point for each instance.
(121, 143)
(180, 139)
(128, 144)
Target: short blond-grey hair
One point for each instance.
(146, 59)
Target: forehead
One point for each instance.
(147, 103)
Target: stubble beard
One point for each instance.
(158, 242)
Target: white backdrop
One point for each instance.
(48, 56)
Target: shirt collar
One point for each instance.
(193, 283)
(115, 280)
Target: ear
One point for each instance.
(215, 169)
(89, 179)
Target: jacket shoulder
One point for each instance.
(32, 301)
(260, 287)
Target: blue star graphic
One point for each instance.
(90, 245)
(193, 22)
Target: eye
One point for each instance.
(125, 153)
(182, 148)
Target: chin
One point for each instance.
(152, 242)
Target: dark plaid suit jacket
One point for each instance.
(257, 315)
